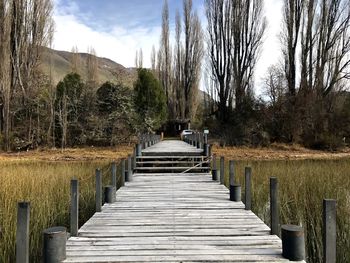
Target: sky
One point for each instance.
(116, 29)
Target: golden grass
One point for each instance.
(46, 185)
(303, 184)
(43, 178)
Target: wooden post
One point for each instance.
(138, 150)
(122, 176)
(74, 207)
(231, 172)
(133, 160)
(129, 169)
(293, 242)
(329, 231)
(205, 149)
(110, 194)
(214, 172)
(214, 161)
(22, 233)
(114, 173)
(248, 188)
(98, 190)
(222, 170)
(54, 247)
(274, 214)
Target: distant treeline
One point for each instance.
(305, 95)
(306, 99)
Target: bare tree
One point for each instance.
(92, 68)
(75, 62)
(248, 24)
(25, 29)
(165, 70)
(178, 54)
(274, 84)
(325, 45)
(193, 53)
(139, 58)
(5, 70)
(220, 47)
(293, 10)
(153, 59)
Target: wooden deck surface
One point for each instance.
(174, 218)
(172, 147)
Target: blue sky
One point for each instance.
(104, 14)
(117, 28)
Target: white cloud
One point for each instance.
(120, 44)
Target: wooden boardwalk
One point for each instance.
(174, 217)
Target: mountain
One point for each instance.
(108, 70)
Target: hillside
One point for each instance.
(108, 70)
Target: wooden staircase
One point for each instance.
(172, 164)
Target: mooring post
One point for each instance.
(122, 176)
(110, 194)
(293, 242)
(22, 233)
(329, 230)
(129, 169)
(134, 158)
(54, 247)
(138, 150)
(214, 161)
(132, 162)
(248, 188)
(214, 172)
(114, 173)
(222, 170)
(235, 192)
(98, 190)
(74, 207)
(231, 172)
(235, 189)
(198, 141)
(274, 214)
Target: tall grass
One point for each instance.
(303, 184)
(46, 185)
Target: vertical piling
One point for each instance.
(293, 242)
(274, 214)
(98, 190)
(74, 207)
(110, 194)
(129, 169)
(222, 170)
(231, 172)
(22, 233)
(114, 174)
(122, 176)
(329, 231)
(54, 247)
(248, 188)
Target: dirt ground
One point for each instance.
(70, 154)
(278, 152)
(274, 152)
